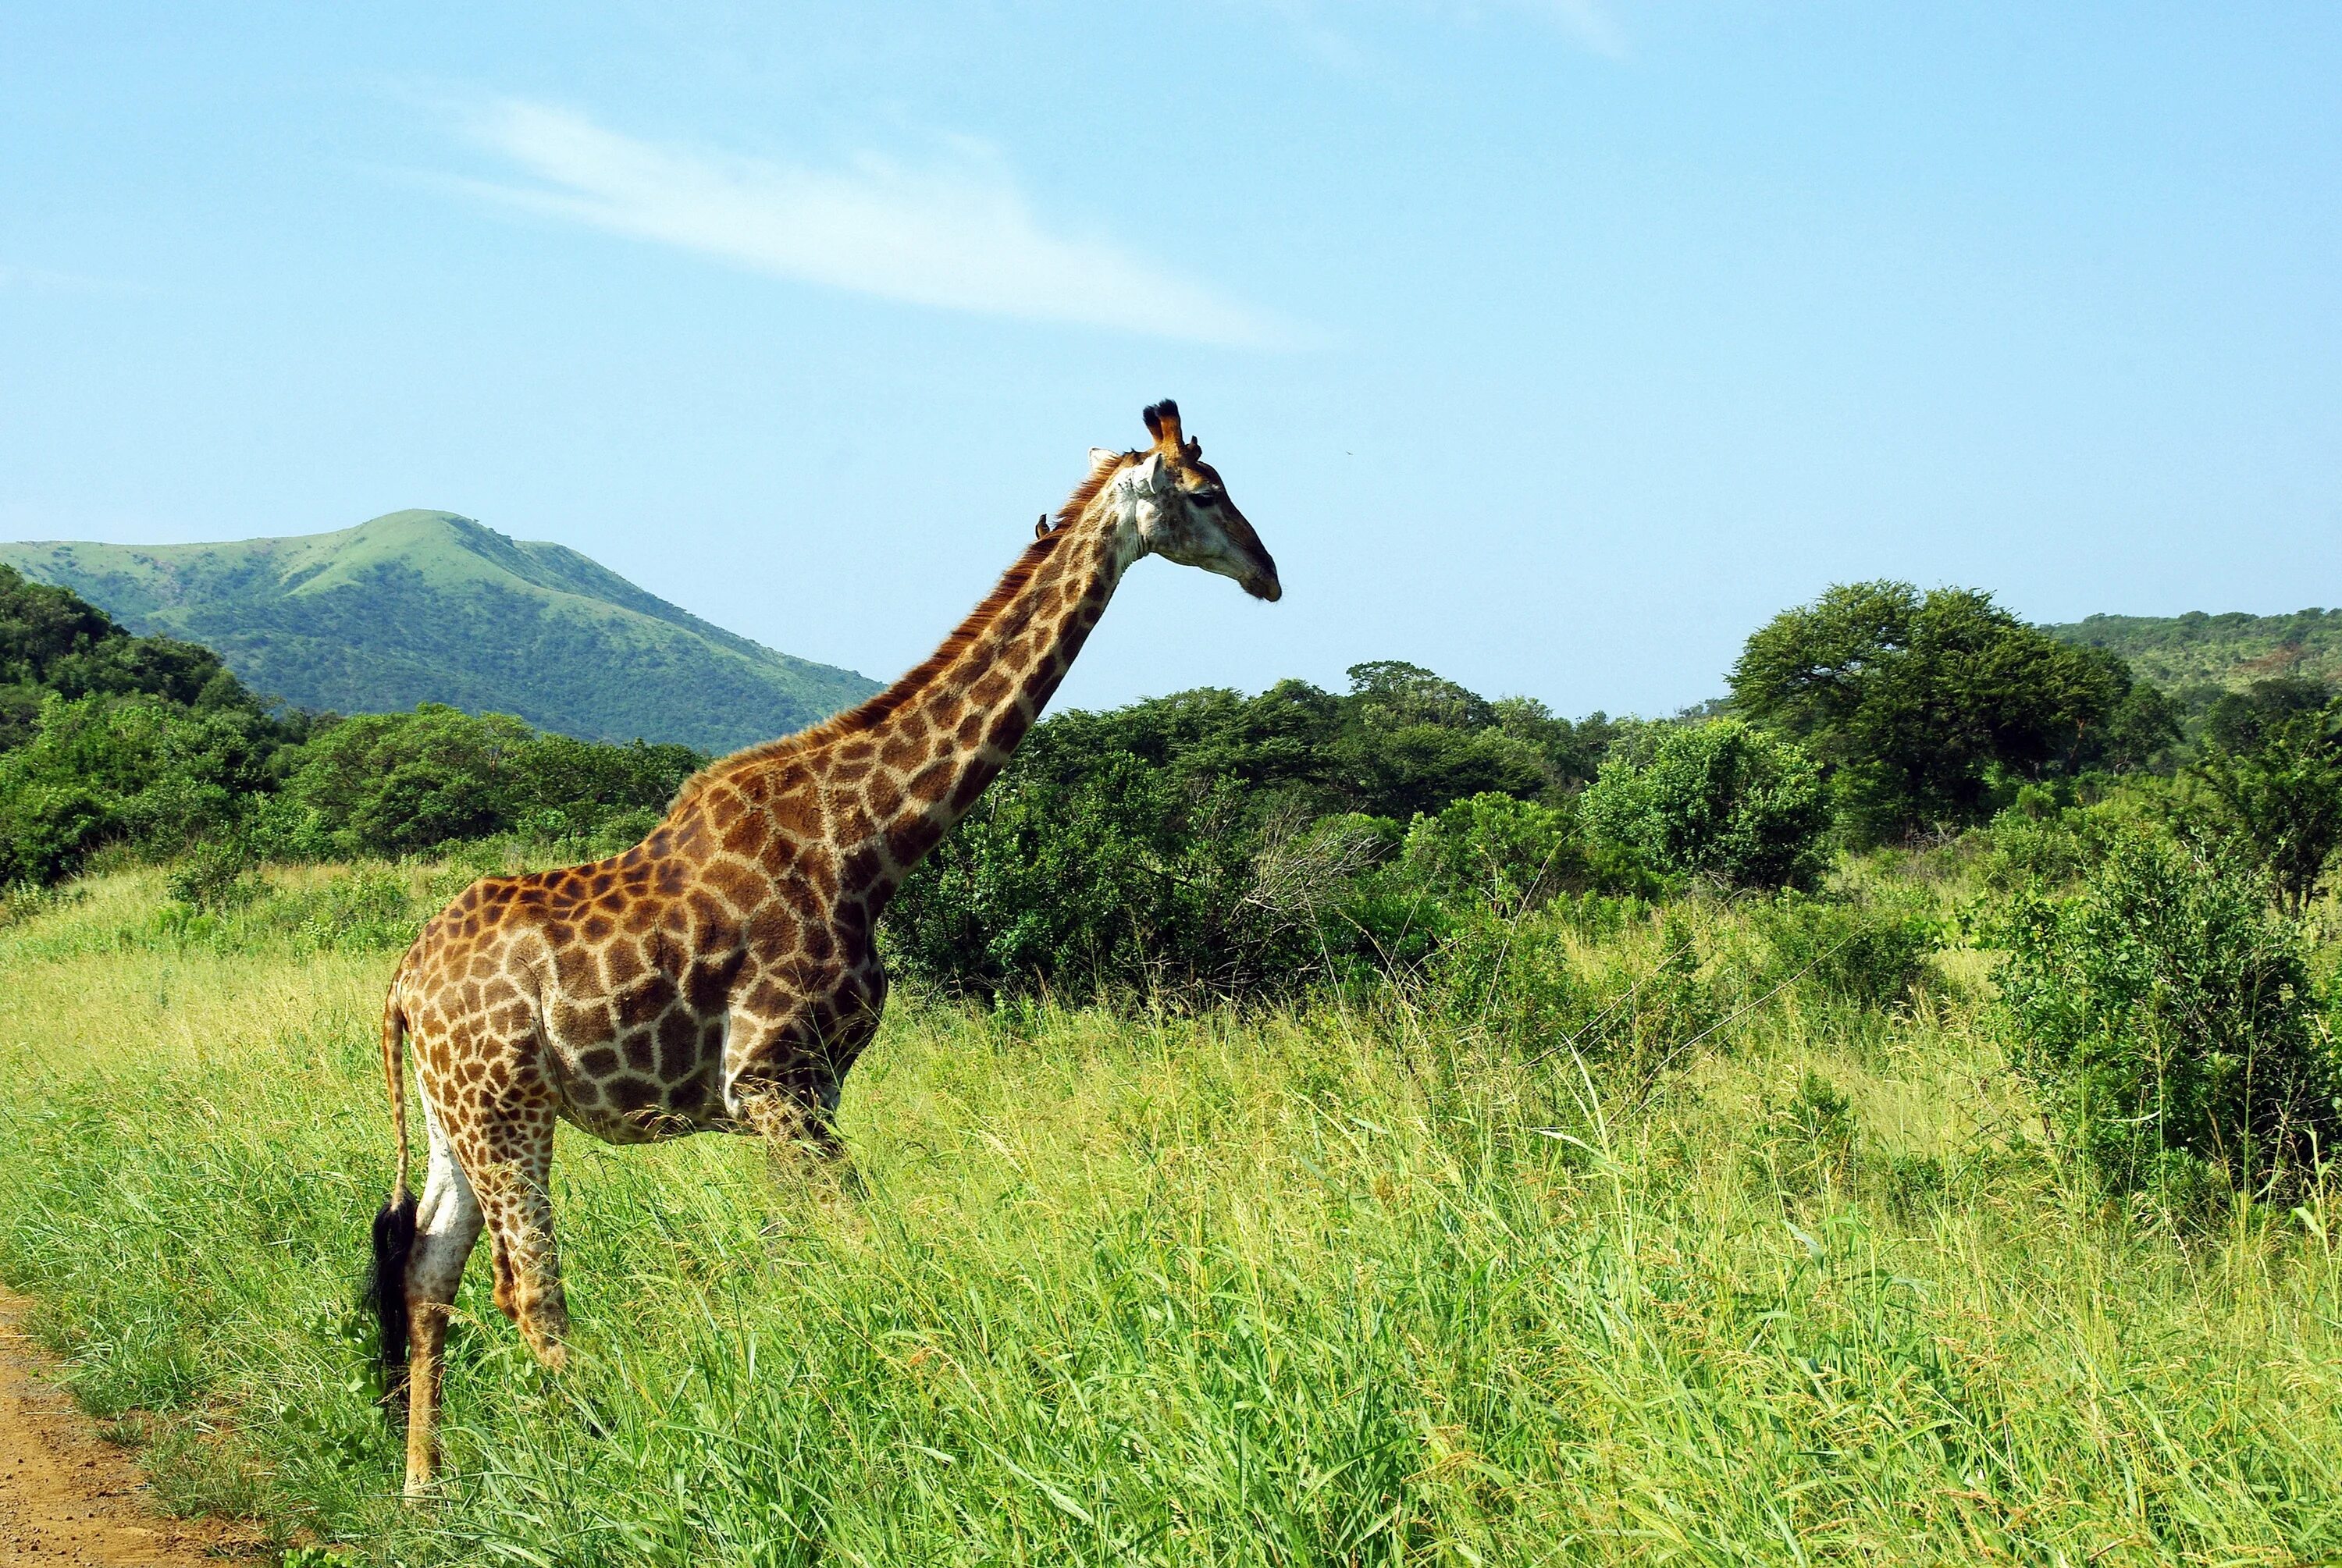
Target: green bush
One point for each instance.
(1496, 851)
(1869, 952)
(2244, 720)
(2165, 1014)
(1401, 740)
(47, 828)
(2025, 847)
(620, 831)
(1719, 802)
(1488, 858)
(371, 910)
(213, 876)
(1211, 842)
(1808, 1143)
(1124, 877)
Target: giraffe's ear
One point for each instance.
(1103, 457)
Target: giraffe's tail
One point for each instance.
(393, 1226)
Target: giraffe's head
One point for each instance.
(1181, 510)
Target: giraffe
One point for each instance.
(722, 975)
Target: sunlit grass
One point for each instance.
(1338, 1285)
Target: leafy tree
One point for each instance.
(1721, 801)
(1415, 768)
(2241, 720)
(1573, 752)
(1919, 703)
(393, 783)
(1403, 740)
(1391, 693)
(140, 769)
(1412, 741)
(562, 786)
(1243, 842)
(2281, 799)
(53, 642)
(2142, 734)
(398, 784)
(1281, 742)
(1211, 837)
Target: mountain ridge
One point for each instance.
(422, 605)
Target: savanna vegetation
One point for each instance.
(1890, 1119)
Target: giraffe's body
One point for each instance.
(723, 976)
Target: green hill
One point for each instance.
(2230, 652)
(427, 606)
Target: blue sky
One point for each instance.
(1551, 344)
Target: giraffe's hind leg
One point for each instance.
(448, 1225)
(508, 1153)
(500, 1259)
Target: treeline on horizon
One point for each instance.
(119, 747)
(1182, 837)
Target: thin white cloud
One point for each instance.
(957, 236)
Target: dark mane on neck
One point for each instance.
(872, 712)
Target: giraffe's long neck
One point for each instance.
(894, 785)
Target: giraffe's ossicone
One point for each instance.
(723, 974)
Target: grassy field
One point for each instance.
(1336, 1284)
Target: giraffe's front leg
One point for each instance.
(781, 1085)
(784, 1117)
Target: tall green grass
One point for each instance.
(1366, 1284)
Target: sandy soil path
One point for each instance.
(66, 1497)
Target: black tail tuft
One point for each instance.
(394, 1241)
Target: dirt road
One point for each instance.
(67, 1498)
